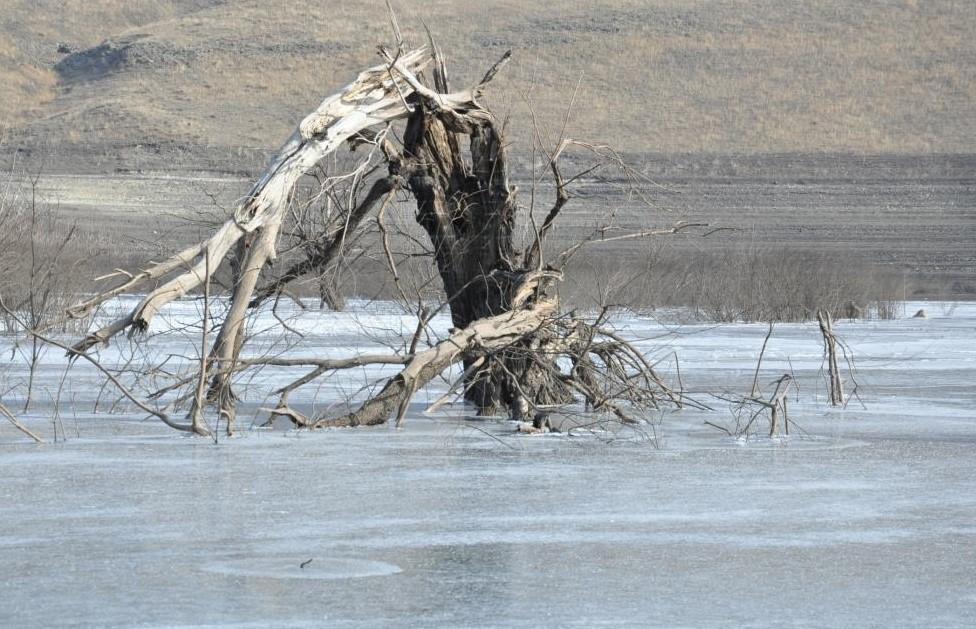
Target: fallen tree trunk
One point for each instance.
(481, 337)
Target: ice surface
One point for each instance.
(867, 518)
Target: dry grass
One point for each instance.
(663, 75)
(45, 261)
(737, 284)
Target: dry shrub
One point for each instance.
(44, 261)
(737, 284)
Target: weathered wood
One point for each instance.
(324, 255)
(506, 332)
(19, 426)
(836, 383)
(231, 336)
(777, 403)
(468, 208)
(375, 97)
(485, 335)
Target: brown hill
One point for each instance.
(663, 76)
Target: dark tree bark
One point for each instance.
(468, 209)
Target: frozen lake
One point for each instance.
(866, 517)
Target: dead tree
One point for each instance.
(469, 209)
(508, 331)
(748, 409)
(835, 382)
(376, 97)
(777, 405)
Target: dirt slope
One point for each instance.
(770, 76)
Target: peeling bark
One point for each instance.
(468, 209)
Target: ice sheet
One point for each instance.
(866, 519)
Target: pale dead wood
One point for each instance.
(777, 404)
(321, 366)
(382, 191)
(508, 333)
(467, 207)
(774, 407)
(372, 99)
(16, 423)
(762, 352)
(835, 382)
(485, 335)
(196, 414)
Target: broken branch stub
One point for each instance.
(835, 384)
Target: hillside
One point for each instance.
(217, 78)
(828, 126)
